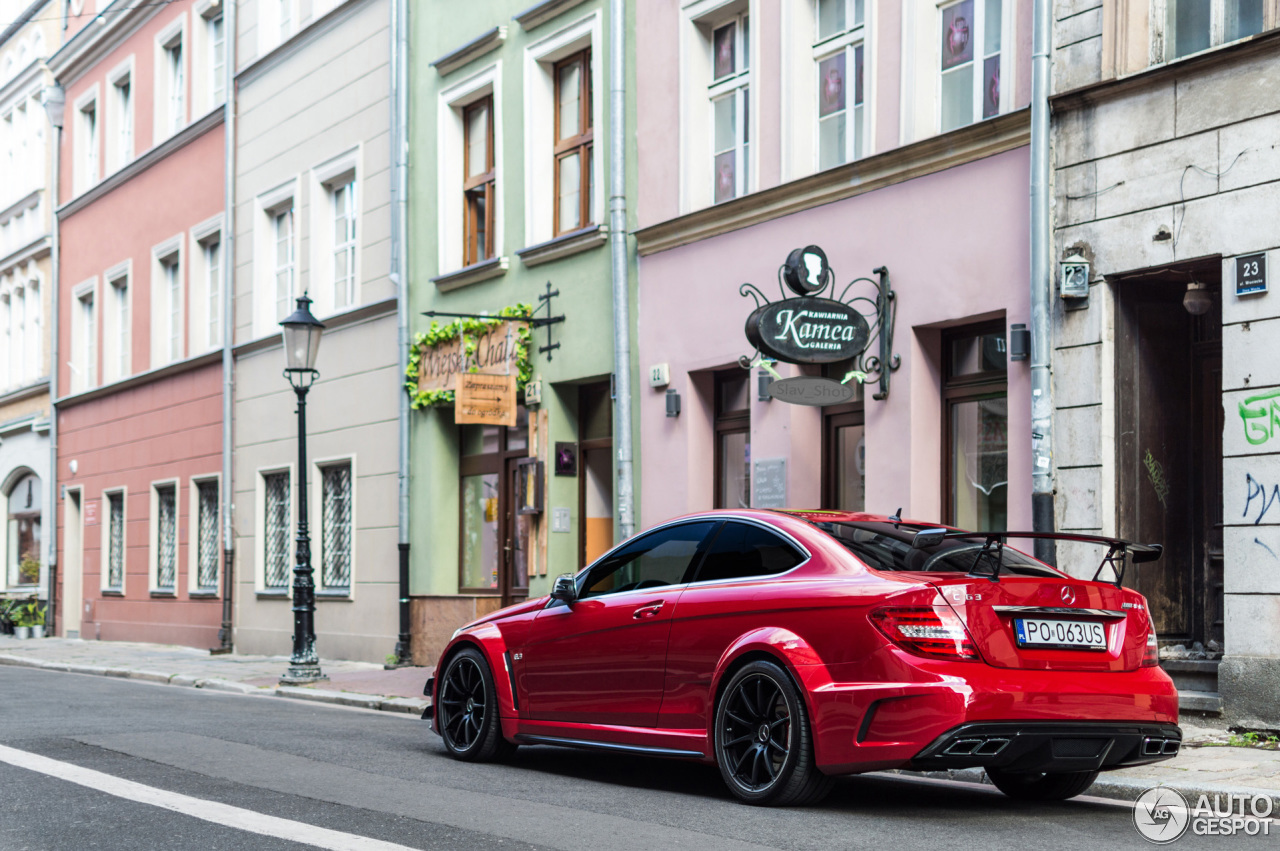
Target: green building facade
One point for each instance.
(508, 202)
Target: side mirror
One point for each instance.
(927, 538)
(564, 589)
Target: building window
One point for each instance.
(478, 181)
(118, 334)
(731, 109)
(970, 62)
(122, 94)
(733, 439)
(1195, 25)
(977, 427)
(175, 85)
(22, 533)
(166, 537)
(207, 536)
(216, 40)
(284, 9)
(839, 53)
(17, 333)
(335, 523)
(275, 545)
(88, 159)
(573, 144)
(211, 268)
(6, 322)
(343, 197)
(84, 373)
(282, 238)
(115, 542)
(171, 305)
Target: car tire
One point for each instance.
(763, 740)
(468, 712)
(1041, 786)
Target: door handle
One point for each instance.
(649, 611)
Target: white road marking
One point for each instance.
(210, 811)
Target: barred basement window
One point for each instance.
(115, 542)
(207, 536)
(166, 537)
(276, 543)
(335, 570)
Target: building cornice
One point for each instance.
(169, 369)
(474, 49)
(31, 251)
(1263, 43)
(540, 13)
(174, 143)
(928, 156)
(40, 385)
(290, 46)
(95, 40)
(354, 316)
(23, 20)
(22, 80)
(24, 201)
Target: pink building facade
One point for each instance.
(141, 278)
(893, 135)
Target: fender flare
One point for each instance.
(793, 652)
(488, 639)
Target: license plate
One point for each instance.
(1071, 635)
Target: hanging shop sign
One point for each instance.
(482, 399)
(812, 390)
(808, 327)
(493, 352)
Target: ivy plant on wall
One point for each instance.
(470, 330)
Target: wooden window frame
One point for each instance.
(480, 186)
(835, 418)
(972, 387)
(725, 423)
(490, 463)
(581, 144)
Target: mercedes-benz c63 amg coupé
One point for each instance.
(791, 647)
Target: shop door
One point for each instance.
(1169, 449)
(517, 540)
(595, 475)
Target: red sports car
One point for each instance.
(791, 647)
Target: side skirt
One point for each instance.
(641, 750)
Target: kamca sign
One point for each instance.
(808, 330)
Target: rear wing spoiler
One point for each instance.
(1119, 551)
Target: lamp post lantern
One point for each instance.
(301, 345)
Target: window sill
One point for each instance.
(565, 245)
(342, 596)
(473, 274)
(272, 595)
(172, 595)
(207, 595)
(112, 592)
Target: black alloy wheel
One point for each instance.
(468, 710)
(1040, 785)
(763, 743)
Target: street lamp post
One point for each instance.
(301, 345)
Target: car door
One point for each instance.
(602, 660)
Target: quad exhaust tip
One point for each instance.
(988, 746)
(1155, 746)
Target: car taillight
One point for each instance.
(935, 632)
(1151, 656)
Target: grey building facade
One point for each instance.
(1166, 382)
(312, 216)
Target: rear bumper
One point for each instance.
(1049, 746)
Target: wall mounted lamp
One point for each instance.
(1198, 299)
(673, 403)
(763, 380)
(1019, 342)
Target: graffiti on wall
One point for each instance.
(1256, 490)
(1155, 472)
(1260, 415)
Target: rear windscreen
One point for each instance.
(887, 546)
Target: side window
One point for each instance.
(742, 550)
(661, 558)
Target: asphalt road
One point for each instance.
(380, 780)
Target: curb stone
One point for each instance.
(342, 698)
(411, 705)
(215, 684)
(150, 676)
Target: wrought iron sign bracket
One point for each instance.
(544, 300)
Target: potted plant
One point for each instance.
(30, 620)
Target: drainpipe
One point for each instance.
(54, 98)
(1042, 512)
(399, 277)
(618, 246)
(225, 633)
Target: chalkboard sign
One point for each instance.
(1251, 274)
(769, 481)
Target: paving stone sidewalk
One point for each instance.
(1206, 765)
(350, 683)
